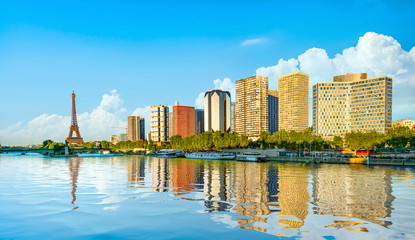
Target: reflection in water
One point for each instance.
(258, 191)
(293, 195)
(161, 174)
(74, 164)
(361, 193)
(136, 172)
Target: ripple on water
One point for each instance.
(137, 197)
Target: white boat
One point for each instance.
(251, 157)
(167, 153)
(210, 155)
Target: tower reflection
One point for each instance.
(73, 165)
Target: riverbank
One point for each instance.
(345, 160)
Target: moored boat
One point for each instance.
(167, 153)
(251, 157)
(210, 156)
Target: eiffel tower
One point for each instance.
(74, 126)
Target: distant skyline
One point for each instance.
(122, 57)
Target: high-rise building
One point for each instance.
(170, 127)
(293, 101)
(114, 139)
(272, 111)
(352, 103)
(159, 123)
(233, 117)
(404, 123)
(123, 137)
(199, 121)
(217, 110)
(136, 129)
(251, 106)
(183, 120)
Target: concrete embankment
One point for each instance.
(340, 160)
(280, 155)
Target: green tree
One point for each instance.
(412, 139)
(244, 142)
(46, 143)
(338, 142)
(104, 144)
(398, 137)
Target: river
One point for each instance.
(135, 197)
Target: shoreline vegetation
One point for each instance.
(298, 146)
(396, 138)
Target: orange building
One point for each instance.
(183, 120)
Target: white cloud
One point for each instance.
(94, 125)
(375, 54)
(199, 102)
(226, 85)
(253, 41)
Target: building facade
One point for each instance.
(159, 123)
(136, 128)
(251, 106)
(217, 105)
(272, 111)
(123, 137)
(233, 117)
(404, 123)
(199, 121)
(183, 120)
(114, 139)
(352, 102)
(170, 127)
(293, 101)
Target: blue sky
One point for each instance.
(157, 52)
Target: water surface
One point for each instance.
(134, 197)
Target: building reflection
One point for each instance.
(183, 178)
(345, 191)
(293, 196)
(136, 172)
(216, 186)
(161, 174)
(73, 165)
(271, 197)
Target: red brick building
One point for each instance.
(183, 121)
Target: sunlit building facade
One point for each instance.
(404, 123)
(183, 120)
(136, 128)
(233, 117)
(251, 106)
(159, 123)
(217, 104)
(352, 102)
(293, 101)
(114, 139)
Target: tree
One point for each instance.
(412, 139)
(244, 142)
(354, 140)
(46, 142)
(338, 142)
(104, 144)
(398, 137)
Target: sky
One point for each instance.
(121, 57)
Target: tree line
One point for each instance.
(397, 137)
